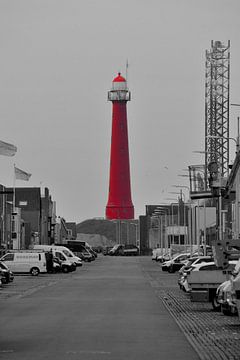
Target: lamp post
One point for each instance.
(136, 235)
(189, 232)
(166, 211)
(172, 207)
(127, 231)
(158, 215)
(117, 230)
(159, 229)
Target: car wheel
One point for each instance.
(229, 311)
(171, 269)
(215, 304)
(34, 271)
(65, 269)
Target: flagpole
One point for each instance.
(14, 191)
(13, 230)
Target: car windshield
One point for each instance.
(67, 253)
(60, 256)
(190, 261)
(180, 258)
(8, 257)
(3, 266)
(208, 267)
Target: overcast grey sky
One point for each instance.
(58, 59)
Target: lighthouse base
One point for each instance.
(116, 212)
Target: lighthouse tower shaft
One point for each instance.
(119, 204)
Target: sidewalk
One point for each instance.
(213, 335)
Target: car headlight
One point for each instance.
(230, 298)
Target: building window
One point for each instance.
(22, 203)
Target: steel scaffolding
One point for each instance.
(217, 110)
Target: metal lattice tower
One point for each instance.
(217, 109)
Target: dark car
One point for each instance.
(6, 274)
(130, 250)
(176, 263)
(86, 256)
(116, 250)
(92, 252)
(106, 250)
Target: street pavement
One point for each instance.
(108, 309)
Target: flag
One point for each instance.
(7, 149)
(21, 175)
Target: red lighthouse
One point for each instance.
(119, 204)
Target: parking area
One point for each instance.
(24, 284)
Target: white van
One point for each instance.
(73, 259)
(25, 261)
(71, 256)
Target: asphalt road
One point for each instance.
(105, 310)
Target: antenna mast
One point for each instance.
(127, 71)
(217, 78)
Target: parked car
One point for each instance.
(86, 256)
(227, 298)
(95, 255)
(205, 266)
(163, 258)
(226, 295)
(116, 250)
(155, 253)
(194, 261)
(201, 266)
(106, 250)
(176, 263)
(130, 250)
(6, 274)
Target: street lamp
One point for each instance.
(159, 237)
(165, 210)
(117, 231)
(184, 210)
(178, 217)
(122, 228)
(158, 215)
(136, 235)
(189, 215)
